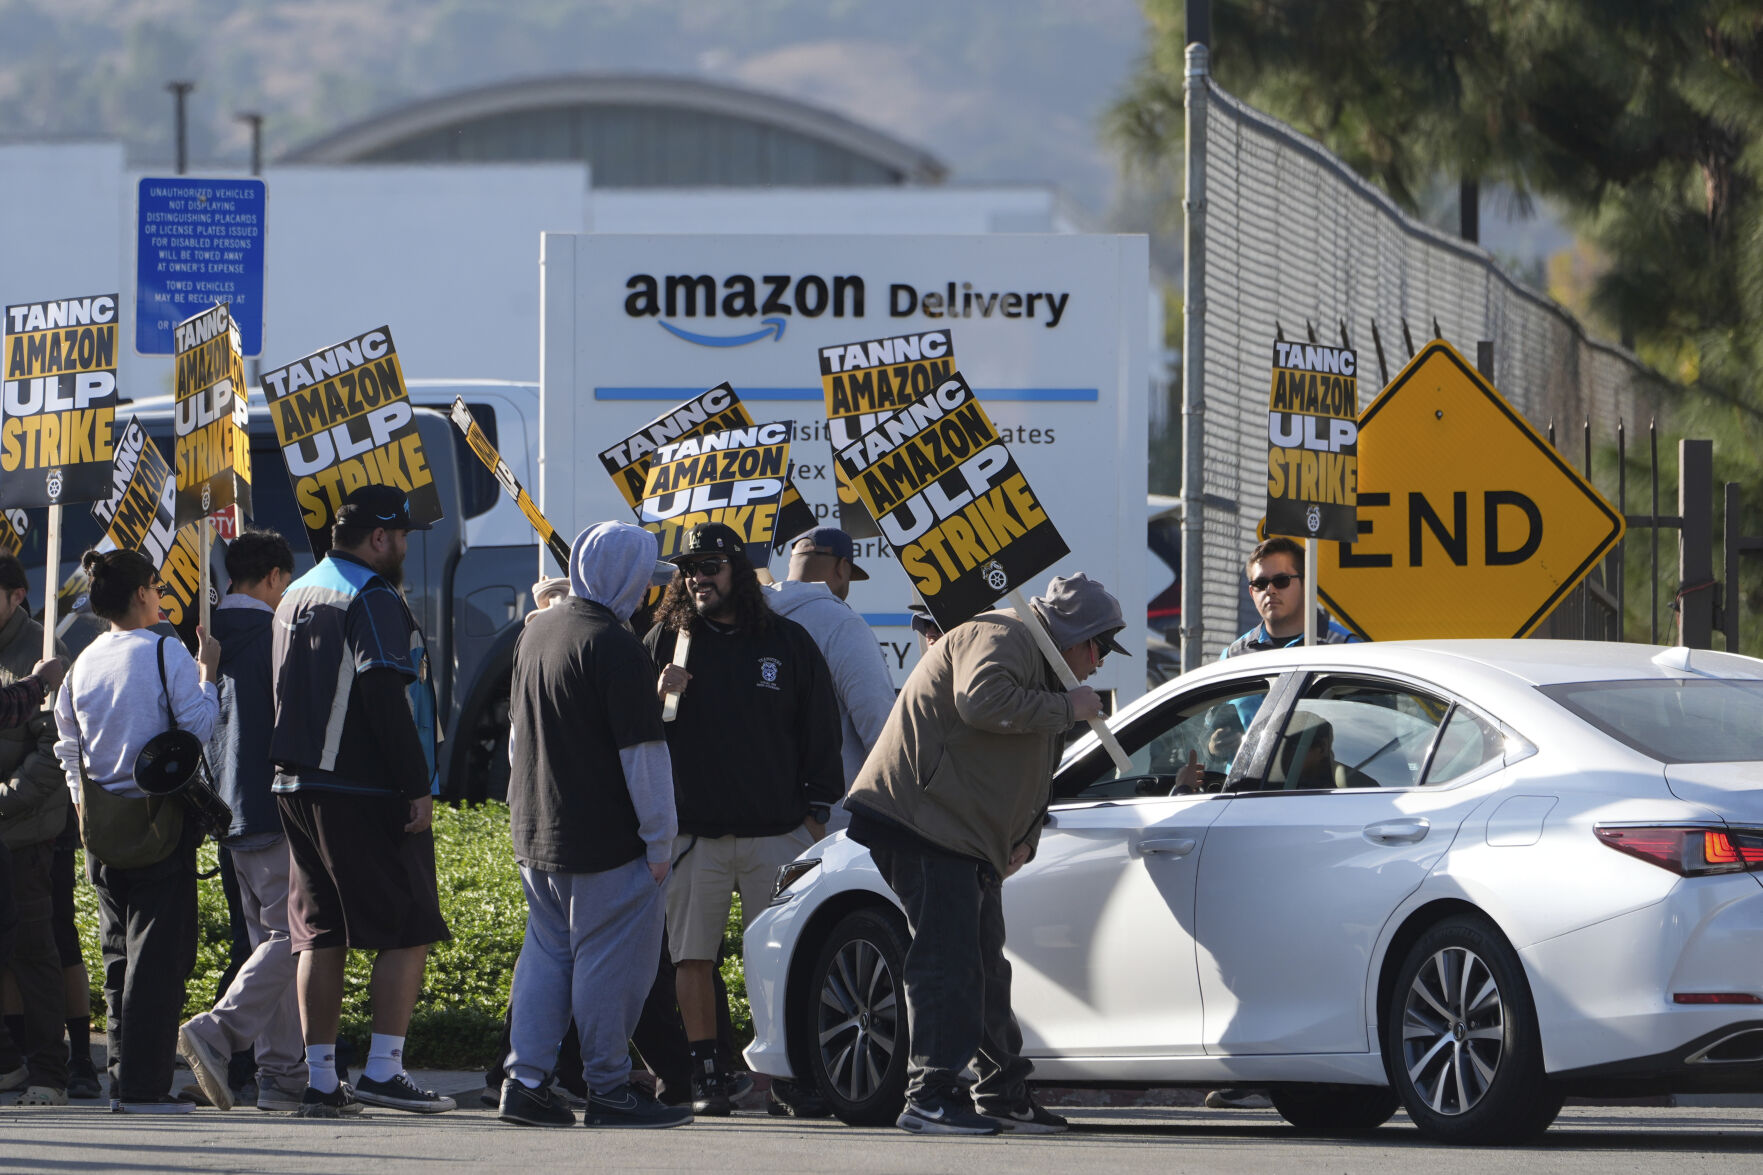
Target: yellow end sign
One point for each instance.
(1470, 523)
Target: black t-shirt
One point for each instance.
(583, 689)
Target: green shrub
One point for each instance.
(458, 1019)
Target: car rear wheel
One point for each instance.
(1461, 1042)
(1334, 1109)
(853, 1018)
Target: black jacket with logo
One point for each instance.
(757, 736)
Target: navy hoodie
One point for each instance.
(238, 754)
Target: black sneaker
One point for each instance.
(400, 1093)
(1025, 1117)
(944, 1113)
(532, 1107)
(790, 1099)
(338, 1103)
(631, 1107)
(82, 1078)
(712, 1095)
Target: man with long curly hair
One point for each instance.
(756, 765)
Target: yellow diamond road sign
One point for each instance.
(1470, 524)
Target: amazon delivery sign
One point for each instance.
(1052, 334)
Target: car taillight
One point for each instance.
(1690, 852)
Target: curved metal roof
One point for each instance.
(646, 129)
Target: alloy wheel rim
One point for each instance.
(858, 1020)
(1453, 1031)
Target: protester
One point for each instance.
(658, 1037)
(33, 813)
(756, 766)
(1276, 585)
(925, 627)
(822, 568)
(591, 811)
(260, 1007)
(983, 714)
(131, 684)
(354, 749)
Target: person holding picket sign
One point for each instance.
(128, 686)
(983, 712)
(756, 766)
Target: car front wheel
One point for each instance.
(853, 1018)
(1461, 1042)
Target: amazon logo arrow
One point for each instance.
(772, 325)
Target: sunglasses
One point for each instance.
(1279, 582)
(704, 567)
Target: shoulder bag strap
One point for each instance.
(165, 686)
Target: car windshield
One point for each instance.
(1697, 720)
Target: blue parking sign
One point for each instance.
(200, 242)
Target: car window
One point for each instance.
(1467, 742)
(1704, 720)
(1348, 732)
(1204, 729)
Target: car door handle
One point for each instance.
(1177, 847)
(1397, 832)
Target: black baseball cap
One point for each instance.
(377, 505)
(708, 538)
(829, 540)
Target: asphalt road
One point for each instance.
(1596, 1140)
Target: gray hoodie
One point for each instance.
(610, 564)
(860, 675)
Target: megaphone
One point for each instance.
(172, 764)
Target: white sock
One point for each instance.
(321, 1067)
(385, 1057)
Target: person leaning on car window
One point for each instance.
(985, 711)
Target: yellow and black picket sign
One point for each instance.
(139, 514)
(717, 410)
(213, 454)
(59, 401)
(14, 524)
(947, 494)
(492, 459)
(735, 477)
(344, 420)
(1313, 442)
(862, 382)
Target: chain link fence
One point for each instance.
(1294, 240)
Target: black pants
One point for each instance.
(36, 968)
(147, 928)
(956, 977)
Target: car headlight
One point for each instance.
(789, 875)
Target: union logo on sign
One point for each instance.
(1470, 523)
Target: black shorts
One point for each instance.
(358, 879)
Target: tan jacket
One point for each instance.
(33, 788)
(967, 756)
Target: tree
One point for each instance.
(1642, 119)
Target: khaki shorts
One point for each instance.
(706, 870)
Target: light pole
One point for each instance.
(179, 90)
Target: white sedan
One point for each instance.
(1468, 877)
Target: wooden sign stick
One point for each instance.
(682, 647)
(1067, 678)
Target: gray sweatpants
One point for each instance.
(591, 944)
